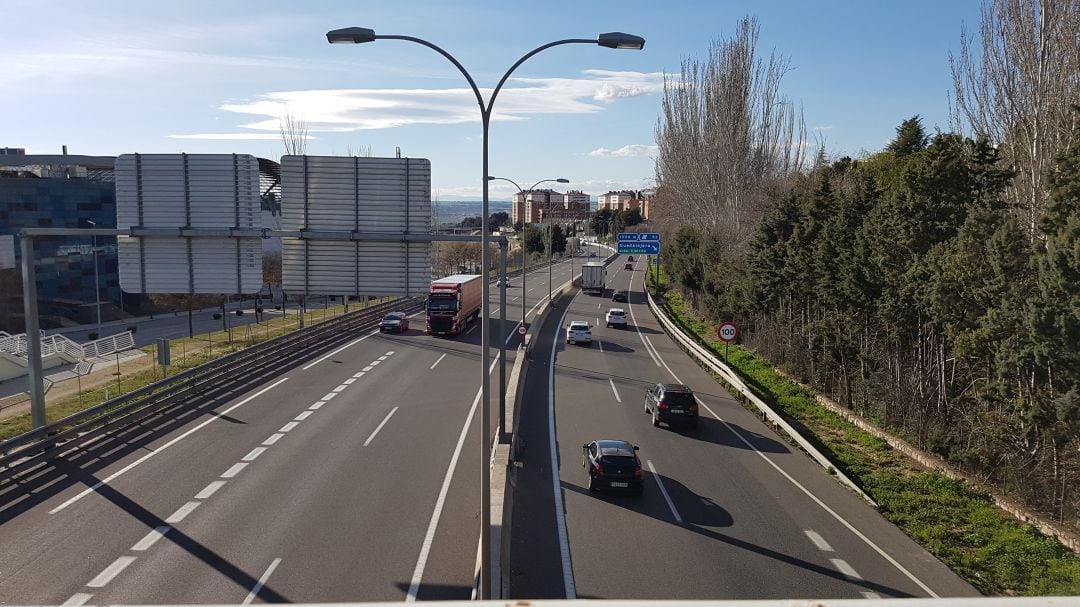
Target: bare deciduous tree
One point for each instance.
(363, 151)
(726, 132)
(1016, 85)
(294, 134)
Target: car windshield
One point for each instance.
(442, 303)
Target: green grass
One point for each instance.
(959, 525)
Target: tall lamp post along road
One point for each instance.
(360, 35)
(97, 284)
(523, 194)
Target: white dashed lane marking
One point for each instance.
(380, 426)
(111, 571)
(819, 541)
(234, 470)
(288, 426)
(256, 452)
(150, 539)
(273, 438)
(182, 512)
(209, 490)
(302, 416)
(77, 600)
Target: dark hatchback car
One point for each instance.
(618, 296)
(612, 464)
(394, 322)
(672, 404)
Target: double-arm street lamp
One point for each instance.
(525, 221)
(614, 40)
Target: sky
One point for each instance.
(114, 77)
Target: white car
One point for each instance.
(499, 283)
(616, 317)
(578, 332)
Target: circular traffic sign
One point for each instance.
(522, 330)
(727, 332)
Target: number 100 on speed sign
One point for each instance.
(727, 332)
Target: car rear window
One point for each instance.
(619, 460)
(618, 313)
(679, 398)
(392, 317)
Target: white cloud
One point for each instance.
(347, 110)
(231, 136)
(634, 149)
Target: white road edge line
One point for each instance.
(142, 459)
(614, 390)
(348, 345)
(380, 426)
(433, 524)
(560, 513)
(182, 512)
(209, 490)
(262, 582)
(438, 360)
(819, 541)
(77, 600)
(663, 490)
(150, 539)
(859, 534)
(111, 571)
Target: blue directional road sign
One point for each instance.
(638, 243)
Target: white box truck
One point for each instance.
(593, 275)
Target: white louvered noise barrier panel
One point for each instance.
(387, 196)
(215, 191)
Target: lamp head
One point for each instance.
(621, 41)
(562, 180)
(350, 35)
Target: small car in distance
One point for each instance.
(612, 464)
(630, 258)
(619, 296)
(499, 283)
(628, 266)
(672, 404)
(578, 332)
(616, 317)
(394, 322)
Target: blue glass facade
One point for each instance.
(65, 265)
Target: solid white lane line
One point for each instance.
(317, 405)
(614, 390)
(262, 582)
(303, 415)
(273, 438)
(348, 345)
(560, 511)
(142, 459)
(471, 329)
(379, 427)
(256, 452)
(209, 490)
(663, 490)
(433, 524)
(340, 388)
(358, 375)
(329, 395)
(439, 360)
(288, 426)
(77, 600)
(234, 470)
(111, 571)
(349, 382)
(849, 571)
(601, 345)
(819, 541)
(182, 512)
(808, 493)
(150, 539)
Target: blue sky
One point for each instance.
(213, 77)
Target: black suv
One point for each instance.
(619, 296)
(612, 464)
(672, 404)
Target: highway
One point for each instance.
(729, 511)
(350, 475)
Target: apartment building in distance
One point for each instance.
(535, 206)
(627, 200)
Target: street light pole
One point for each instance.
(359, 35)
(97, 285)
(524, 264)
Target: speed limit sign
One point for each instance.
(727, 332)
(522, 330)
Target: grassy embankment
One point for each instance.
(959, 525)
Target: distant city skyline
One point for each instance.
(206, 77)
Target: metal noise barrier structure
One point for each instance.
(29, 450)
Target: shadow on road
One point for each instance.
(714, 431)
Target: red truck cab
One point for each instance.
(452, 303)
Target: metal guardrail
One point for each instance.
(29, 449)
(725, 372)
(109, 345)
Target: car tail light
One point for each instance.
(694, 408)
(662, 406)
(637, 472)
(598, 470)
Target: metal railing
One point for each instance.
(109, 345)
(29, 449)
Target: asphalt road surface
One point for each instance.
(730, 510)
(351, 475)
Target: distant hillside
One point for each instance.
(456, 210)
